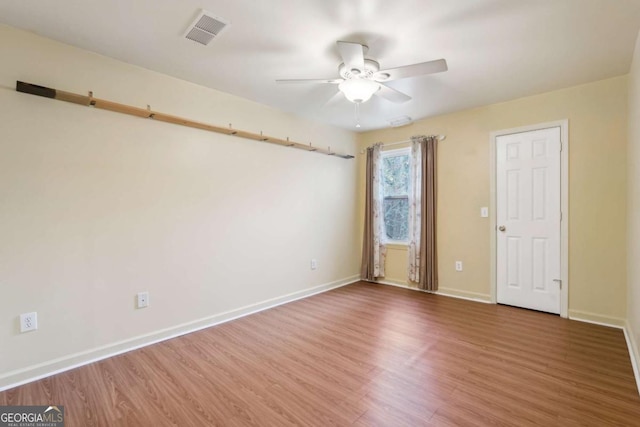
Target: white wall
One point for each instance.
(633, 206)
(96, 206)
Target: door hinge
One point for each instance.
(560, 145)
(560, 215)
(559, 282)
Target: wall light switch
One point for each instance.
(484, 212)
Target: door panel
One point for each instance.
(513, 262)
(528, 219)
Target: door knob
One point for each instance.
(502, 228)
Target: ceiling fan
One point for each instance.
(362, 78)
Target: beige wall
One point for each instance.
(597, 179)
(97, 206)
(633, 207)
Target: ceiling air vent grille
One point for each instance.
(205, 28)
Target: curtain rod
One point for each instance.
(389, 144)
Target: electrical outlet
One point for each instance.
(458, 265)
(28, 322)
(143, 299)
(314, 264)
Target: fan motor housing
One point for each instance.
(370, 68)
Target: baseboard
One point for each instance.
(397, 284)
(447, 292)
(32, 373)
(471, 296)
(597, 319)
(634, 352)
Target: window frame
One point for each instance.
(393, 153)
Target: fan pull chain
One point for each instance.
(357, 104)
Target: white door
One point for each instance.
(528, 219)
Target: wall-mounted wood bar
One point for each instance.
(89, 100)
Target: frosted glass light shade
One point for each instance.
(358, 90)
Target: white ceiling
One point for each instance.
(496, 49)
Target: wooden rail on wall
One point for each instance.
(89, 100)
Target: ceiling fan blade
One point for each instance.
(431, 67)
(294, 81)
(391, 94)
(337, 97)
(352, 55)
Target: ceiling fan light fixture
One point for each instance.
(358, 90)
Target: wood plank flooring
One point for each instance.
(361, 355)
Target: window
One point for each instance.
(395, 194)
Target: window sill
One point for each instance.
(395, 245)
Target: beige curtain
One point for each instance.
(423, 261)
(373, 251)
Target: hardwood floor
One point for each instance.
(362, 355)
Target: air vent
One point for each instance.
(400, 121)
(205, 27)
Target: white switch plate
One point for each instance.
(143, 299)
(28, 322)
(484, 212)
(314, 264)
(458, 265)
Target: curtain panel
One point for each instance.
(373, 251)
(423, 260)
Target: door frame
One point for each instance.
(564, 207)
